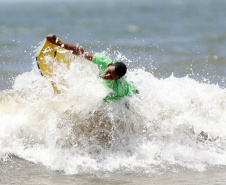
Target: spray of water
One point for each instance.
(172, 122)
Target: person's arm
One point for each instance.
(75, 49)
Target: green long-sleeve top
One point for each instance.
(120, 87)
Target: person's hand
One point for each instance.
(51, 38)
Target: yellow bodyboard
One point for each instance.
(50, 58)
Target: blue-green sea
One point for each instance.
(172, 132)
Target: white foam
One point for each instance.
(171, 122)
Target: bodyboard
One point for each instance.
(49, 59)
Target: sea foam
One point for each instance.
(171, 123)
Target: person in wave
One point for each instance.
(111, 72)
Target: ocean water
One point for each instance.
(172, 132)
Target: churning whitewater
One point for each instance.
(171, 123)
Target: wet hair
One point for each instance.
(120, 68)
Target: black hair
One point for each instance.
(120, 68)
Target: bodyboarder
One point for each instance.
(111, 72)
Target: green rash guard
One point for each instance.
(120, 87)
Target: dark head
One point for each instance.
(114, 71)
